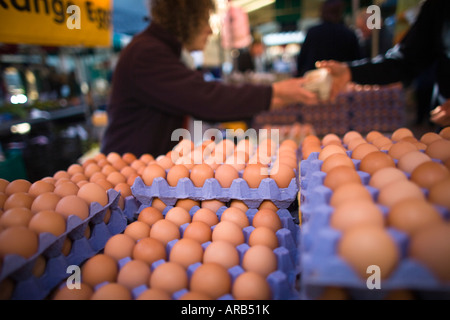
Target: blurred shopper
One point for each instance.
(366, 35)
(153, 90)
(330, 40)
(426, 43)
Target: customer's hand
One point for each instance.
(441, 115)
(341, 75)
(289, 92)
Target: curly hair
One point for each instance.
(183, 18)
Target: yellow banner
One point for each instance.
(56, 22)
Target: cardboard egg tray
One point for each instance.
(321, 265)
(212, 190)
(20, 270)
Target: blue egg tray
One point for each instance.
(20, 270)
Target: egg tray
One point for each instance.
(212, 190)
(321, 265)
(20, 270)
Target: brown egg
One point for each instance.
(397, 150)
(225, 175)
(19, 216)
(429, 173)
(176, 173)
(431, 247)
(412, 215)
(3, 198)
(112, 291)
(362, 150)
(366, 246)
(45, 201)
(267, 204)
(439, 149)
(211, 279)
(228, 231)
(133, 274)
(170, 277)
(401, 133)
(113, 156)
(430, 137)
(236, 216)
(186, 252)
(187, 204)
(353, 214)
(411, 160)
(64, 293)
(92, 168)
(439, 193)
(221, 252)
(137, 230)
(158, 204)
(330, 150)
(3, 184)
(129, 157)
(18, 240)
(251, 286)
(66, 189)
(124, 189)
(198, 231)
(207, 216)
(149, 250)
(289, 143)
(341, 175)
(375, 161)
(115, 178)
(282, 174)
(98, 269)
(200, 173)
(18, 200)
(105, 184)
(263, 236)
(355, 142)
(330, 138)
(337, 160)
(165, 162)
(333, 293)
(73, 205)
(178, 215)
(67, 246)
(151, 172)
(311, 139)
(381, 142)
(119, 164)
(165, 231)
(385, 176)
(349, 192)
(260, 259)
(372, 135)
(40, 187)
(308, 150)
(61, 174)
(147, 158)
(106, 170)
(154, 294)
(445, 133)
(119, 246)
(399, 190)
(235, 203)
(254, 174)
(213, 205)
(75, 168)
(351, 135)
(92, 192)
(78, 177)
(267, 218)
(150, 215)
(190, 295)
(48, 221)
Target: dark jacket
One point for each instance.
(152, 92)
(426, 43)
(327, 41)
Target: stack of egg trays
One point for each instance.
(322, 267)
(20, 270)
(212, 190)
(282, 281)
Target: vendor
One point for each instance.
(153, 90)
(426, 43)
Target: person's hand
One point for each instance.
(340, 73)
(441, 114)
(290, 91)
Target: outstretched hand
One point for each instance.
(291, 91)
(340, 73)
(441, 115)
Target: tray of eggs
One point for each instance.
(195, 252)
(376, 205)
(47, 226)
(223, 171)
